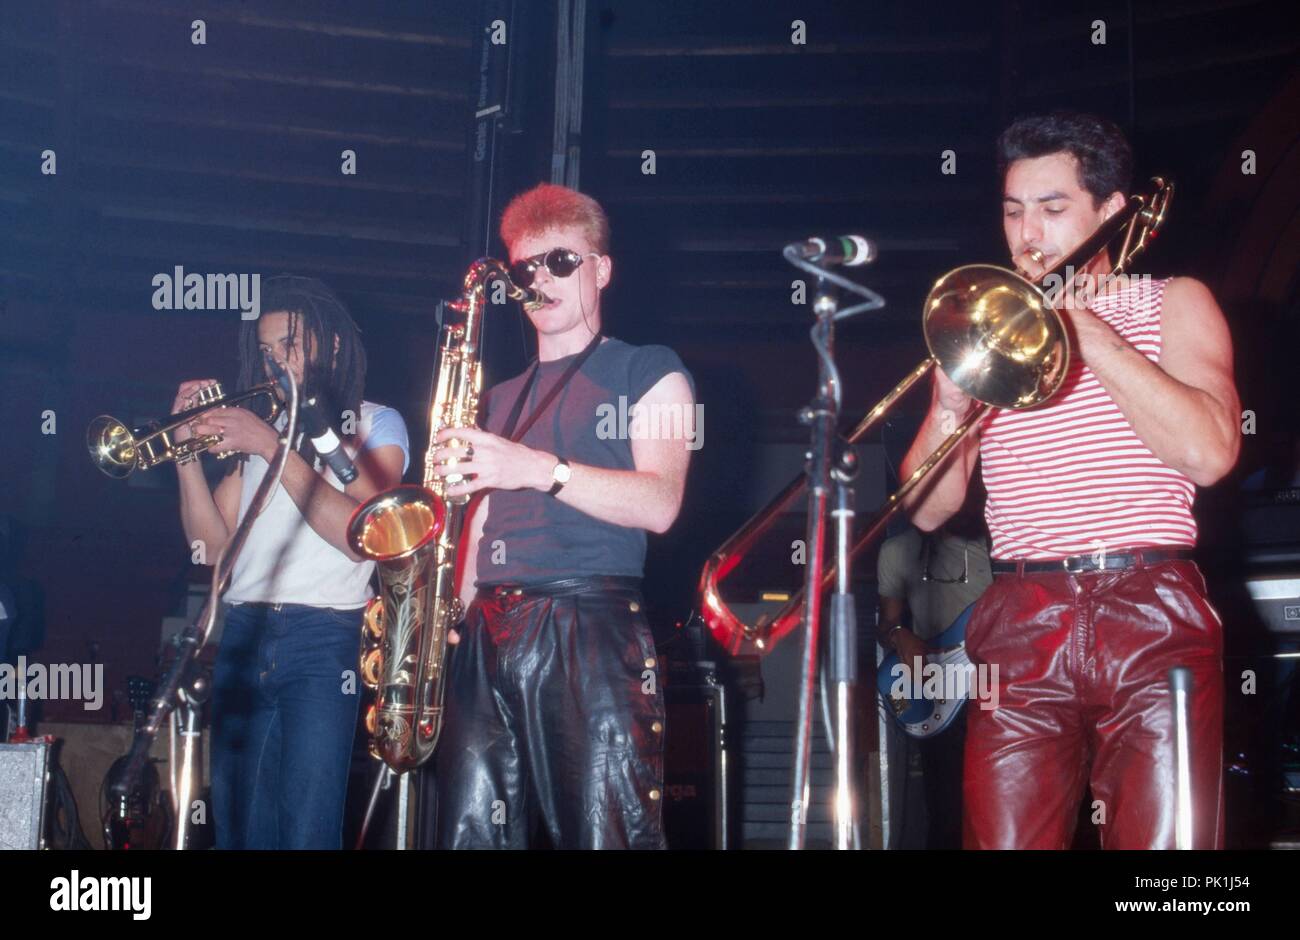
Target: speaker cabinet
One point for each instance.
(24, 774)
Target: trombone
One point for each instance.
(995, 334)
(119, 451)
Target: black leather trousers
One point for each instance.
(553, 707)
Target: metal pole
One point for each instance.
(570, 58)
(844, 671)
(722, 823)
(1180, 687)
(882, 754)
(821, 415)
(405, 816)
(187, 721)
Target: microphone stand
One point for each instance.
(186, 685)
(1180, 693)
(831, 463)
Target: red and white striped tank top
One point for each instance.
(1071, 477)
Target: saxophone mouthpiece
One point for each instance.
(536, 300)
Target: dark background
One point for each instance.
(226, 158)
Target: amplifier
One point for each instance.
(1277, 601)
(23, 778)
(695, 777)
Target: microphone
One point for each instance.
(327, 443)
(316, 423)
(847, 251)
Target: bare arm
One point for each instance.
(326, 509)
(1186, 408)
(647, 497)
(208, 516)
(942, 494)
(650, 496)
(904, 642)
(891, 615)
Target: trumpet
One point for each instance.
(119, 451)
(996, 335)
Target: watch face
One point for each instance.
(561, 473)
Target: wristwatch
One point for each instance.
(560, 475)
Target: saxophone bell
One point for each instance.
(413, 535)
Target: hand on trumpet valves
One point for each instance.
(241, 432)
(489, 461)
(187, 398)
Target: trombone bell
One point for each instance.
(993, 334)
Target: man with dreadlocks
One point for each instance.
(552, 702)
(284, 715)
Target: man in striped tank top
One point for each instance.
(1089, 511)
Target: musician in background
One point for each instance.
(553, 704)
(933, 577)
(285, 687)
(1089, 509)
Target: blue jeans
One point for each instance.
(285, 700)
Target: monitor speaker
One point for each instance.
(24, 776)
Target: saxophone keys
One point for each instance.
(372, 668)
(373, 620)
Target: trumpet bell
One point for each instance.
(993, 333)
(112, 446)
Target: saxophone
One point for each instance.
(412, 534)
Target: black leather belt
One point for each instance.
(564, 586)
(1097, 561)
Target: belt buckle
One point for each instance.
(1066, 563)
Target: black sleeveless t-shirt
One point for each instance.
(530, 536)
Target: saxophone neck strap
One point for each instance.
(509, 432)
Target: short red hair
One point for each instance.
(548, 206)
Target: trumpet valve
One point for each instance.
(209, 394)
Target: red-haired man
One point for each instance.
(552, 702)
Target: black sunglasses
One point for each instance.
(561, 262)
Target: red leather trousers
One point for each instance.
(1083, 698)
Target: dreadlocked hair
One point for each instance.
(337, 378)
